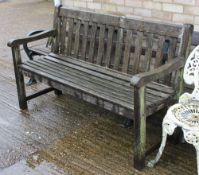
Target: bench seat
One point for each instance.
(112, 88)
(112, 61)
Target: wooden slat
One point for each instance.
(110, 106)
(148, 52)
(160, 87)
(102, 73)
(170, 56)
(40, 51)
(56, 25)
(172, 48)
(101, 45)
(77, 37)
(159, 53)
(92, 42)
(195, 38)
(138, 48)
(63, 35)
(90, 66)
(60, 79)
(185, 40)
(118, 50)
(70, 36)
(89, 16)
(111, 74)
(86, 96)
(116, 93)
(158, 28)
(127, 23)
(128, 43)
(84, 42)
(109, 46)
(85, 81)
(154, 90)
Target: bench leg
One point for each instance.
(19, 78)
(139, 128)
(58, 92)
(21, 90)
(127, 123)
(31, 81)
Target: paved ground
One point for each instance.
(62, 135)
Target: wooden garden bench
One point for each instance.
(130, 67)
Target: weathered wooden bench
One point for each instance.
(130, 67)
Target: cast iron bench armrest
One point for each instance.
(142, 79)
(42, 35)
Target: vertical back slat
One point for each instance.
(70, 36)
(101, 45)
(56, 25)
(171, 54)
(77, 37)
(92, 42)
(128, 42)
(63, 34)
(85, 39)
(159, 53)
(118, 50)
(172, 48)
(122, 44)
(148, 52)
(185, 40)
(138, 48)
(109, 46)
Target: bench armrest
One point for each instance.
(142, 79)
(42, 35)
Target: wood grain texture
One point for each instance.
(42, 35)
(92, 42)
(159, 53)
(140, 128)
(77, 38)
(105, 74)
(101, 45)
(95, 83)
(19, 77)
(143, 78)
(148, 54)
(138, 48)
(63, 34)
(84, 40)
(118, 49)
(109, 46)
(128, 43)
(123, 22)
(70, 36)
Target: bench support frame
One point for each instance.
(138, 81)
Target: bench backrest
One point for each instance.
(124, 44)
